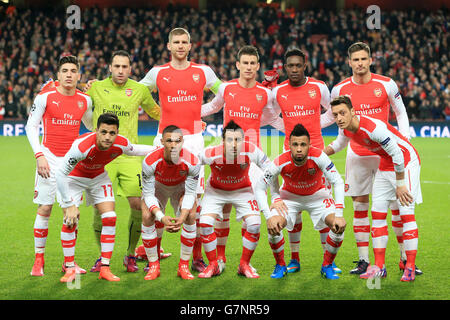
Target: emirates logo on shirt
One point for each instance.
(196, 77)
(377, 92)
(128, 92)
(312, 93)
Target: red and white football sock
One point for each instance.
(323, 237)
(295, 236)
(187, 239)
(397, 226)
(410, 234)
(333, 243)
(251, 238)
(68, 241)
(209, 239)
(108, 236)
(361, 228)
(379, 231)
(40, 233)
(159, 233)
(150, 242)
(197, 251)
(222, 230)
(277, 245)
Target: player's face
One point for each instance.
(295, 68)
(299, 148)
(172, 142)
(343, 115)
(69, 75)
(120, 69)
(179, 46)
(248, 66)
(233, 141)
(106, 135)
(360, 62)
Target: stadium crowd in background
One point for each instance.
(411, 47)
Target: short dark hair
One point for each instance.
(232, 126)
(248, 50)
(358, 46)
(299, 131)
(68, 59)
(121, 53)
(294, 52)
(344, 99)
(171, 128)
(108, 118)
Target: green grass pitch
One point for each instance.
(17, 214)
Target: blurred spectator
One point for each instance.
(412, 46)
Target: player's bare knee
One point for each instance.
(135, 203)
(363, 199)
(44, 210)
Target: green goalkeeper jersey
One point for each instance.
(124, 101)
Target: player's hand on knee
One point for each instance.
(339, 225)
(281, 208)
(43, 168)
(404, 196)
(274, 225)
(71, 216)
(169, 224)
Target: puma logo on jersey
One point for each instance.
(288, 175)
(284, 96)
(57, 103)
(232, 94)
(166, 79)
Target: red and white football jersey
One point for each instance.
(250, 108)
(156, 168)
(86, 160)
(181, 94)
(232, 176)
(302, 105)
(61, 118)
(302, 180)
(373, 99)
(380, 138)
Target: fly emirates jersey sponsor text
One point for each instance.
(303, 105)
(374, 99)
(61, 118)
(232, 175)
(181, 94)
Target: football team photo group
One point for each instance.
(182, 192)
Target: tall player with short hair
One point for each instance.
(397, 179)
(83, 169)
(302, 169)
(61, 111)
(300, 99)
(122, 96)
(180, 85)
(249, 104)
(372, 95)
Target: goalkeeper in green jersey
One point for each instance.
(123, 96)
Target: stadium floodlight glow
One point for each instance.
(269, 1)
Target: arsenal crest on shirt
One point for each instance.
(259, 97)
(377, 92)
(113, 155)
(128, 92)
(312, 93)
(312, 171)
(183, 172)
(196, 77)
(244, 165)
(80, 104)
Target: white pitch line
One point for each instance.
(436, 182)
